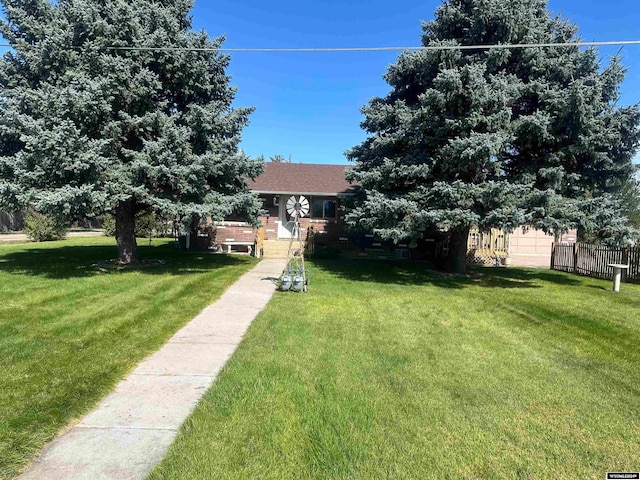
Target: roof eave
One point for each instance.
(316, 194)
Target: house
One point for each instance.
(324, 186)
(524, 247)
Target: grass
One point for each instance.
(69, 332)
(385, 371)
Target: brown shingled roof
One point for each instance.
(302, 178)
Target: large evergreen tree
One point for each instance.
(493, 137)
(630, 200)
(90, 125)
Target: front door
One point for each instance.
(285, 227)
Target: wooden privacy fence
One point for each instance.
(593, 260)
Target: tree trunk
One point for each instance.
(458, 250)
(125, 233)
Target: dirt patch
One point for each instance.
(474, 275)
(116, 265)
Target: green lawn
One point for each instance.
(69, 332)
(383, 371)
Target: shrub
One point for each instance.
(109, 226)
(43, 227)
(149, 224)
(146, 224)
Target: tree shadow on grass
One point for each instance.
(81, 261)
(533, 274)
(607, 351)
(599, 287)
(404, 273)
(602, 343)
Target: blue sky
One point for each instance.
(307, 105)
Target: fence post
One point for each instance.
(575, 257)
(553, 255)
(625, 261)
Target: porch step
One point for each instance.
(276, 248)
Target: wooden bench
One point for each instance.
(230, 244)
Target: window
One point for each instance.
(323, 209)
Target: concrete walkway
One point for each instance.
(132, 428)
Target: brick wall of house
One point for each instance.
(230, 232)
(326, 231)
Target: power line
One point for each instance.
(364, 49)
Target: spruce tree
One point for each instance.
(90, 125)
(493, 137)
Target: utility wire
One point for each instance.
(363, 49)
